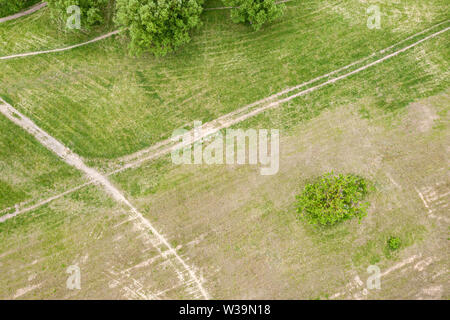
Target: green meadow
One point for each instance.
(103, 103)
(238, 230)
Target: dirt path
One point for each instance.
(34, 53)
(74, 160)
(31, 10)
(166, 146)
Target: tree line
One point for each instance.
(161, 26)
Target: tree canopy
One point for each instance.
(159, 26)
(332, 198)
(255, 12)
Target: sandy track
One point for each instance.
(35, 53)
(44, 202)
(166, 146)
(74, 160)
(31, 10)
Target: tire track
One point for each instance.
(35, 53)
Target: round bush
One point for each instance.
(394, 243)
(255, 12)
(333, 198)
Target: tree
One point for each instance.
(255, 12)
(333, 198)
(158, 26)
(93, 12)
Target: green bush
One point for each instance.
(255, 12)
(93, 12)
(9, 7)
(394, 243)
(158, 26)
(333, 198)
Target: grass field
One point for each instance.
(237, 229)
(104, 104)
(28, 171)
(245, 224)
(89, 230)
